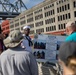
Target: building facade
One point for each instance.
(5, 27)
(50, 17)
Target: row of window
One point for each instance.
(48, 21)
(22, 22)
(64, 17)
(30, 19)
(31, 31)
(38, 17)
(11, 22)
(23, 17)
(31, 25)
(30, 14)
(51, 28)
(49, 6)
(63, 8)
(61, 26)
(61, 1)
(37, 11)
(40, 30)
(11, 26)
(74, 3)
(16, 20)
(52, 12)
(39, 23)
(17, 28)
(17, 24)
(12, 29)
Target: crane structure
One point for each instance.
(11, 9)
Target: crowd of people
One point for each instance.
(18, 59)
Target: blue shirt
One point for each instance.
(71, 37)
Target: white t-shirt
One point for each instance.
(25, 44)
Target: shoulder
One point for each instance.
(24, 38)
(73, 33)
(71, 37)
(20, 52)
(26, 54)
(5, 53)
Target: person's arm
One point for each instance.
(33, 65)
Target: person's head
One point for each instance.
(67, 58)
(70, 27)
(14, 39)
(26, 30)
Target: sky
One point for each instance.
(29, 3)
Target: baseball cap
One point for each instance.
(70, 23)
(14, 39)
(26, 27)
(66, 50)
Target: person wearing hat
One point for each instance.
(15, 60)
(71, 31)
(27, 43)
(67, 58)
